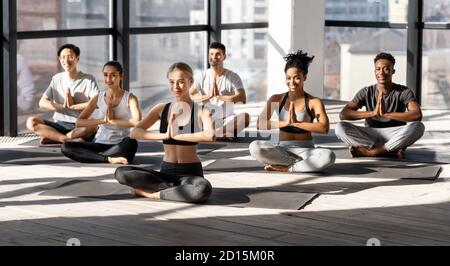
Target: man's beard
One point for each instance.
(213, 64)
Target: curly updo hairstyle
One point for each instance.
(298, 60)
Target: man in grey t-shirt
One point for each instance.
(219, 89)
(392, 116)
(68, 94)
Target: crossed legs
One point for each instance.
(379, 142)
(161, 185)
(89, 152)
(291, 156)
(41, 128)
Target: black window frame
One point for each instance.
(120, 32)
(415, 27)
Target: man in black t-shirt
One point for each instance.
(392, 116)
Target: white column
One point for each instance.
(346, 73)
(296, 25)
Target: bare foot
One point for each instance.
(46, 141)
(276, 168)
(365, 152)
(398, 154)
(144, 194)
(118, 160)
(375, 152)
(358, 152)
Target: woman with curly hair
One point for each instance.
(297, 112)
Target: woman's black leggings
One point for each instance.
(89, 152)
(175, 182)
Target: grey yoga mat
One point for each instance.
(372, 169)
(386, 169)
(230, 165)
(91, 189)
(235, 197)
(261, 198)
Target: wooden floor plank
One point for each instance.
(349, 210)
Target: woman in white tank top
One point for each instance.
(119, 112)
(297, 112)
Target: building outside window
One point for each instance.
(347, 49)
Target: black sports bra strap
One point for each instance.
(283, 102)
(164, 127)
(193, 120)
(308, 110)
(165, 115)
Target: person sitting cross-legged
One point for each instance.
(183, 124)
(392, 116)
(297, 114)
(119, 110)
(67, 95)
(220, 89)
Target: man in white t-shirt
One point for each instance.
(219, 89)
(68, 94)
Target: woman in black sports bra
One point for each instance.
(297, 111)
(183, 125)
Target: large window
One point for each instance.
(349, 54)
(367, 10)
(37, 61)
(35, 15)
(436, 69)
(238, 11)
(356, 31)
(247, 46)
(156, 13)
(147, 40)
(436, 55)
(151, 57)
(350, 47)
(247, 56)
(437, 10)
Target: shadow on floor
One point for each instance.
(425, 226)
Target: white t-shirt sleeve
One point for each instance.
(94, 89)
(236, 82)
(198, 83)
(49, 91)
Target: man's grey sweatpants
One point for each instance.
(300, 156)
(393, 138)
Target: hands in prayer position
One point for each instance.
(379, 108)
(68, 100)
(292, 118)
(109, 115)
(172, 128)
(214, 93)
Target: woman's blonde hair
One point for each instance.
(183, 67)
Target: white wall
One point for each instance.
(296, 25)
